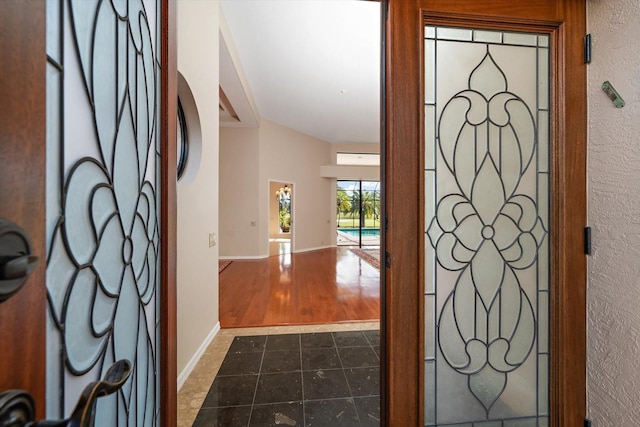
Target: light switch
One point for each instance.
(212, 239)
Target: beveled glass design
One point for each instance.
(486, 224)
(103, 166)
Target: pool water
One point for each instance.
(371, 232)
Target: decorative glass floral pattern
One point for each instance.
(486, 229)
(103, 261)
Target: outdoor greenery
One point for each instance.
(350, 204)
(285, 219)
(284, 212)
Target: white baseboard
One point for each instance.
(313, 249)
(196, 357)
(233, 258)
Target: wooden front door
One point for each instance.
(24, 199)
(22, 190)
(455, 363)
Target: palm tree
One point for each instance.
(343, 203)
(365, 206)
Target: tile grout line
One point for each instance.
(304, 414)
(345, 376)
(233, 334)
(255, 391)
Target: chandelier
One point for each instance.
(283, 191)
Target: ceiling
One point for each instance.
(310, 65)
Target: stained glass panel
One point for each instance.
(486, 228)
(102, 204)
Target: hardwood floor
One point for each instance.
(324, 286)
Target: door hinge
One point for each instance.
(587, 49)
(587, 422)
(386, 223)
(387, 260)
(587, 240)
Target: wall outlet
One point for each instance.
(212, 240)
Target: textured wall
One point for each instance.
(614, 213)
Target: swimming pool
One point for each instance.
(370, 232)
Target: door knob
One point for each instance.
(17, 408)
(16, 260)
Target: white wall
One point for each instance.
(198, 193)
(613, 380)
(290, 156)
(239, 217)
(283, 155)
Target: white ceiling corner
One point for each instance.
(311, 65)
(233, 82)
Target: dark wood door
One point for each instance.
(23, 197)
(22, 190)
(404, 174)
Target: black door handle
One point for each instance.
(18, 267)
(16, 260)
(17, 408)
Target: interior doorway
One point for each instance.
(280, 217)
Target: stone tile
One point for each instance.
(208, 366)
(324, 384)
(235, 416)
(368, 410)
(241, 364)
(358, 357)
(277, 414)
(245, 344)
(239, 332)
(334, 413)
(317, 340)
(195, 385)
(363, 381)
(283, 342)
(373, 337)
(186, 417)
(350, 339)
(320, 358)
(295, 329)
(231, 391)
(281, 361)
(278, 388)
(191, 401)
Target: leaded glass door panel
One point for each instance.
(486, 222)
(496, 274)
(103, 207)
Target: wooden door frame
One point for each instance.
(168, 216)
(403, 374)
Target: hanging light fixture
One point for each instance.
(283, 191)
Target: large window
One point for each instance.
(358, 213)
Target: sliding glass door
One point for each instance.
(358, 213)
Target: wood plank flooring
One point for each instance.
(324, 286)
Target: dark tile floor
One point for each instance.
(314, 380)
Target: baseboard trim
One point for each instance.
(182, 378)
(313, 249)
(233, 258)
